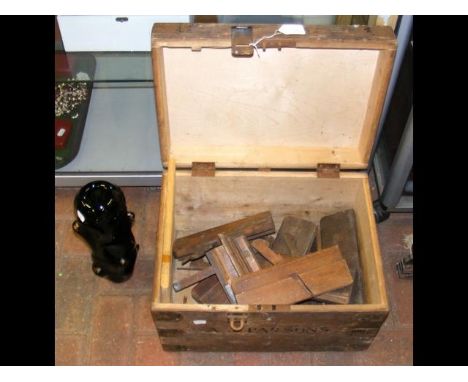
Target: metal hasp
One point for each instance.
(241, 38)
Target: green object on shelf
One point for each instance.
(63, 156)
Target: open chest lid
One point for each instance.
(302, 100)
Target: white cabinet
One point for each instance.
(111, 33)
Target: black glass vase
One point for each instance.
(104, 222)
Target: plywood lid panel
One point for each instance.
(288, 108)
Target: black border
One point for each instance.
(440, 273)
(27, 202)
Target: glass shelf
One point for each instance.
(103, 67)
(115, 137)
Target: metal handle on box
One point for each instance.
(237, 321)
(236, 324)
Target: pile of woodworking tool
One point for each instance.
(242, 263)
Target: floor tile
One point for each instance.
(390, 347)
(64, 199)
(148, 351)
(74, 288)
(333, 358)
(393, 231)
(144, 323)
(141, 281)
(291, 359)
(252, 359)
(401, 291)
(111, 332)
(152, 207)
(207, 358)
(400, 294)
(73, 244)
(391, 321)
(59, 230)
(68, 348)
(146, 239)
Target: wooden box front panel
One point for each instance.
(268, 331)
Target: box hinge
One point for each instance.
(328, 170)
(203, 169)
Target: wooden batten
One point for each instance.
(161, 103)
(376, 101)
(317, 102)
(198, 36)
(167, 236)
(159, 242)
(371, 263)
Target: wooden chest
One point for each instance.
(267, 122)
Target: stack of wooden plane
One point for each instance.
(242, 263)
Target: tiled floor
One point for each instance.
(100, 323)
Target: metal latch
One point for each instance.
(237, 321)
(241, 40)
(203, 169)
(328, 170)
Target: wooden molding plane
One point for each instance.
(296, 237)
(262, 246)
(233, 258)
(196, 245)
(296, 280)
(193, 279)
(209, 291)
(340, 229)
(224, 269)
